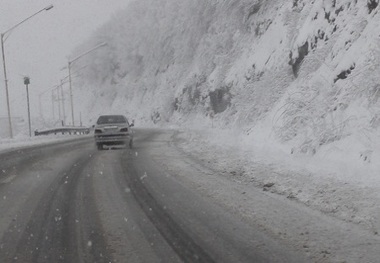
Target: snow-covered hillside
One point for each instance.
(301, 73)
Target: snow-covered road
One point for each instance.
(338, 218)
(230, 202)
(72, 203)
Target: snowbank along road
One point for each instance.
(68, 202)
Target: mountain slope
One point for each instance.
(300, 72)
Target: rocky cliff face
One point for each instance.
(305, 71)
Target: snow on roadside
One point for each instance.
(20, 141)
(345, 187)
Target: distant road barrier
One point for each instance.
(63, 130)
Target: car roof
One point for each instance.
(112, 115)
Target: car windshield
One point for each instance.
(109, 119)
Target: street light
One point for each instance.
(69, 68)
(26, 83)
(3, 39)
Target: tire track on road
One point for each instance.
(54, 232)
(186, 248)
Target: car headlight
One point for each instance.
(124, 129)
(98, 131)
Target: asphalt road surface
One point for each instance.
(68, 202)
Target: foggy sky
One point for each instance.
(40, 47)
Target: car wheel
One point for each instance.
(99, 146)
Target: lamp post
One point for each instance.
(70, 84)
(3, 38)
(26, 83)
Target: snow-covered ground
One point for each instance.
(21, 141)
(344, 187)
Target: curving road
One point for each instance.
(68, 202)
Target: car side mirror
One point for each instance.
(93, 126)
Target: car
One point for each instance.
(113, 130)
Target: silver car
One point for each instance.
(113, 130)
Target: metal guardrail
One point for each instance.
(63, 130)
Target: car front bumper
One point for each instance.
(112, 138)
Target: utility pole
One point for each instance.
(59, 104)
(63, 104)
(52, 103)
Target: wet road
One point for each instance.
(68, 202)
